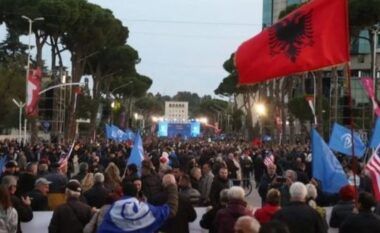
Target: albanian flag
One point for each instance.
(312, 37)
(33, 92)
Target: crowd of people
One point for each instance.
(94, 189)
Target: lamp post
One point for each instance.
(261, 111)
(20, 105)
(30, 21)
(111, 94)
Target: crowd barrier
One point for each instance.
(41, 220)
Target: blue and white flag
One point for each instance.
(137, 153)
(326, 167)
(375, 140)
(341, 141)
(128, 135)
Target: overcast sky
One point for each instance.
(183, 43)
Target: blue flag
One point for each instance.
(340, 140)
(128, 135)
(375, 140)
(326, 167)
(137, 153)
(108, 131)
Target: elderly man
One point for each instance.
(247, 224)
(73, 215)
(299, 216)
(97, 194)
(236, 207)
(22, 204)
(39, 195)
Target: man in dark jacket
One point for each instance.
(266, 181)
(39, 195)
(207, 221)
(96, 196)
(344, 208)
(22, 205)
(219, 183)
(151, 182)
(299, 216)
(365, 220)
(27, 179)
(185, 214)
(73, 215)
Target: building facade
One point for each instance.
(176, 111)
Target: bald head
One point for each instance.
(246, 224)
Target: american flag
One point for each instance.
(373, 166)
(269, 159)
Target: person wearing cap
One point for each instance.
(39, 195)
(22, 204)
(344, 208)
(73, 215)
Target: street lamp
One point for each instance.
(29, 44)
(124, 85)
(20, 105)
(261, 111)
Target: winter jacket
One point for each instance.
(226, 218)
(301, 218)
(341, 212)
(71, 217)
(365, 221)
(265, 214)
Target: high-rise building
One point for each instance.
(273, 8)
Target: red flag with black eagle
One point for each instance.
(33, 91)
(312, 37)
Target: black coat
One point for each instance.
(70, 217)
(365, 221)
(151, 185)
(207, 221)
(217, 186)
(39, 201)
(301, 218)
(24, 212)
(96, 195)
(25, 183)
(185, 214)
(264, 184)
(341, 212)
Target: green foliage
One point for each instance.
(149, 106)
(300, 109)
(12, 85)
(288, 10)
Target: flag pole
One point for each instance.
(354, 162)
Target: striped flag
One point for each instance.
(269, 159)
(373, 166)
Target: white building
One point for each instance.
(176, 110)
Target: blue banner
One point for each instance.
(137, 153)
(341, 141)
